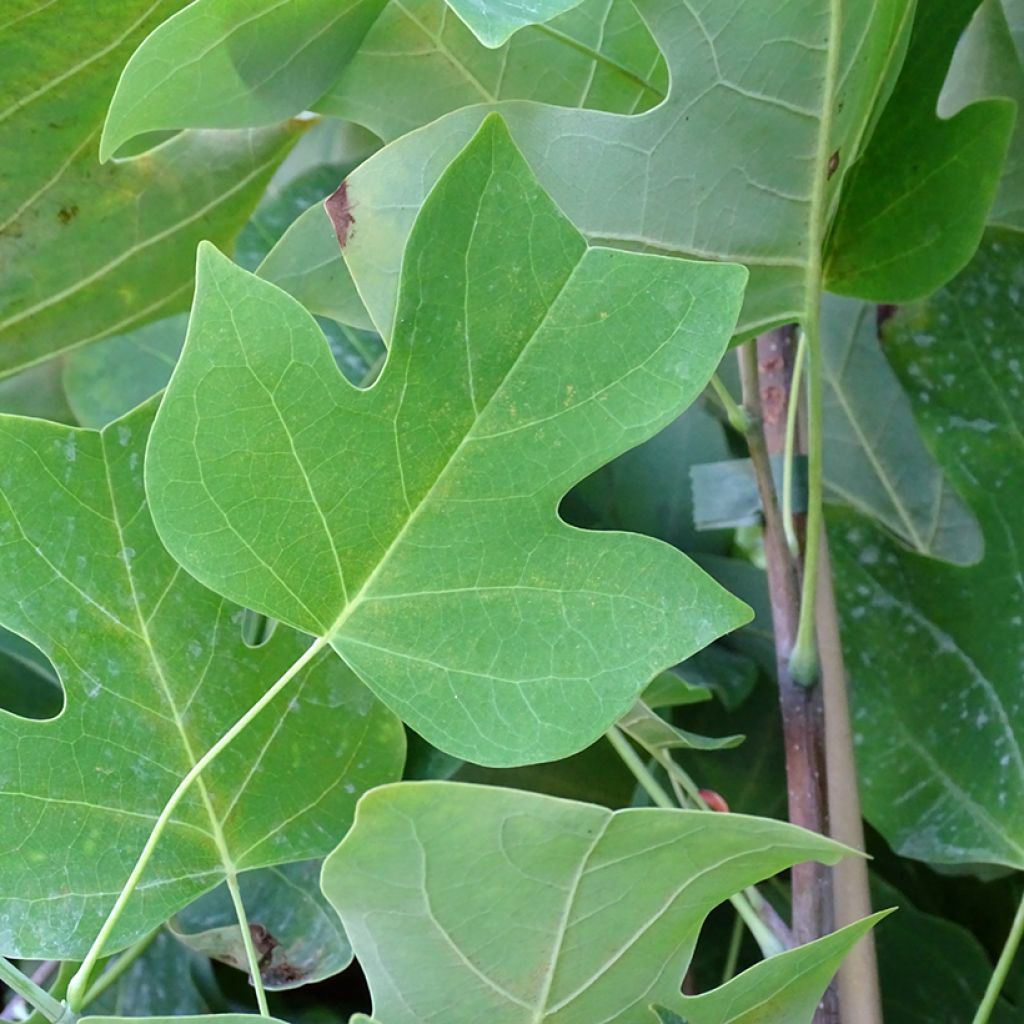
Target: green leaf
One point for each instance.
(654, 733)
(875, 459)
(166, 978)
(938, 177)
(155, 670)
(783, 990)
(758, 196)
(932, 971)
(985, 64)
(419, 62)
(106, 380)
(86, 251)
(934, 649)
(494, 21)
(296, 934)
(414, 524)
(432, 880)
(234, 64)
(29, 686)
(670, 689)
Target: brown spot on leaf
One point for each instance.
(275, 967)
(833, 163)
(67, 214)
(339, 209)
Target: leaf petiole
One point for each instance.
(250, 950)
(1002, 968)
(79, 986)
(118, 967)
(32, 993)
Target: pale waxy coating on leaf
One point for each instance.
(466, 904)
(415, 524)
(155, 670)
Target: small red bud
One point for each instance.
(715, 801)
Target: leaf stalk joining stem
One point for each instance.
(79, 986)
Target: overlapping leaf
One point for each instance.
(87, 251)
(804, 81)
(297, 936)
(914, 208)
(235, 64)
(875, 459)
(414, 524)
(934, 650)
(419, 62)
(155, 670)
(432, 881)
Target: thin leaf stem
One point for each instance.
(732, 956)
(117, 969)
(789, 453)
(766, 939)
(33, 994)
(1002, 968)
(80, 982)
(804, 664)
(734, 412)
(250, 949)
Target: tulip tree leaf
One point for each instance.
(925, 168)
(415, 524)
(155, 670)
(235, 64)
(432, 880)
(934, 649)
(875, 459)
(419, 62)
(90, 251)
(297, 935)
(783, 990)
(672, 180)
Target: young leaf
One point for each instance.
(432, 881)
(155, 670)
(419, 62)
(803, 80)
(414, 524)
(234, 64)
(875, 459)
(87, 252)
(908, 244)
(783, 990)
(653, 733)
(296, 934)
(934, 650)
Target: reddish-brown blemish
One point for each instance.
(339, 209)
(833, 163)
(715, 801)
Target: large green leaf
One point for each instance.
(419, 62)
(875, 459)
(934, 650)
(235, 64)
(88, 251)
(414, 524)
(155, 670)
(297, 936)
(432, 880)
(914, 208)
(803, 81)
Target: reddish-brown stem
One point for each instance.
(766, 372)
